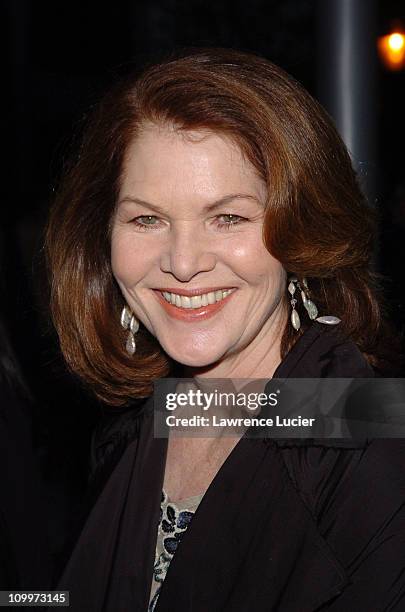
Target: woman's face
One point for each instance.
(189, 222)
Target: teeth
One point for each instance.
(185, 301)
(195, 301)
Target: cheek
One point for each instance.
(272, 278)
(253, 260)
(117, 258)
(126, 261)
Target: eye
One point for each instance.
(144, 222)
(231, 220)
(150, 222)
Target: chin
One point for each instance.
(192, 358)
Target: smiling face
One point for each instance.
(189, 221)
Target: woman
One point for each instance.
(213, 213)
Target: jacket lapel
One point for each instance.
(252, 543)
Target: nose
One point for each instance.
(188, 252)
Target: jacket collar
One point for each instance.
(323, 352)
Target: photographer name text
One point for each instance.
(215, 421)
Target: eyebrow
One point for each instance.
(208, 208)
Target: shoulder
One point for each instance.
(357, 500)
(329, 472)
(324, 352)
(332, 472)
(115, 430)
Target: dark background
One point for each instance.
(58, 57)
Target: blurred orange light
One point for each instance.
(396, 41)
(392, 50)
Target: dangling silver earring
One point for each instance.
(295, 317)
(308, 304)
(129, 321)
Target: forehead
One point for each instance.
(162, 158)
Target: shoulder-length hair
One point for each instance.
(317, 222)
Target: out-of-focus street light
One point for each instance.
(391, 48)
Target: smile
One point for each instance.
(194, 307)
(196, 301)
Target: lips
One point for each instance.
(191, 292)
(192, 314)
(195, 301)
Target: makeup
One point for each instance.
(192, 314)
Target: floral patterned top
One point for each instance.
(173, 522)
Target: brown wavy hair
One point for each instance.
(317, 222)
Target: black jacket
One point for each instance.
(293, 525)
